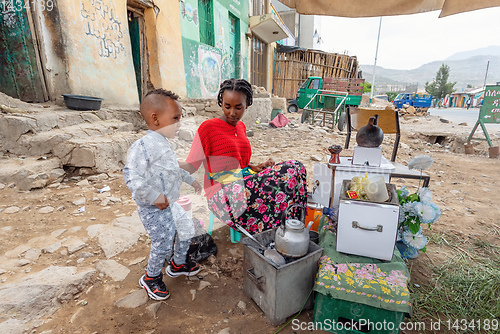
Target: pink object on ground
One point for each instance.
(279, 121)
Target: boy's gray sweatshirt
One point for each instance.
(152, 169)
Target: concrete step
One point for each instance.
(30, 173)
(94, 142)
(47, 142)
(93, 155)
(102, 154)
(14, 125)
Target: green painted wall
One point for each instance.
(206, 66)
(190, 19)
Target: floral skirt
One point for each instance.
(257, 201)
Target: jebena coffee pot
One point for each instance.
(370, 135)
(292, 237)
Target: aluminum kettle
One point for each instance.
(292, 237)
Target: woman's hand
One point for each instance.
(260, 167)
(269, 163)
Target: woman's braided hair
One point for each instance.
(238, 85)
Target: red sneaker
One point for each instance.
(155, 287)
(190, 268)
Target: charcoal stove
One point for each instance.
(279, 291)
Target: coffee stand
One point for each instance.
(362, 277)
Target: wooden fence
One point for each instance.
(292, 69)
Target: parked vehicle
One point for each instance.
(420, 101)
(328, 96)
(382, 97)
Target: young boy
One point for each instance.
(154, 177)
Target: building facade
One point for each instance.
(112, 49)
(213, 43)
(266, 28)
(119, 49)
(305, 28)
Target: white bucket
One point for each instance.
(376, 190)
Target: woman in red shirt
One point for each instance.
(253, 196)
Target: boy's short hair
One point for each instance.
(163, 92)
(151, 102)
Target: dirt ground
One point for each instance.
(464, 186)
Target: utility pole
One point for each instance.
(375, 64)
(486, 75)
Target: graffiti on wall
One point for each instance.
(227, 64)
(188, 13)
(209, 69)
(220, 34)
(101, 22)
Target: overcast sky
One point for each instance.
(409, 41)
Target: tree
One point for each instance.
(391, 95)
(367, 87)
(440, 87)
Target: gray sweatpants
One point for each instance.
(160, 226)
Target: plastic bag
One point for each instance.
(279, 121)
(202, 246)
(357, 185)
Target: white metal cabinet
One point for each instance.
(367, 229)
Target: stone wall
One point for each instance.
(259, 112)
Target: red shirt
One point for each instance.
(220, 147)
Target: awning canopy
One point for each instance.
(268, 27)
(371, 8)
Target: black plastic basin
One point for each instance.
(79, 102)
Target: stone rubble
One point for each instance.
(12, 209)
(153, 309)
(74, 245)
(113, 240)
(52, 248)
(46, 209)
(80, 201)
(134, 299)
(42, 293)
(113, 269)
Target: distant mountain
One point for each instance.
(493, 50)
(465, 72)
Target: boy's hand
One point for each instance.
(197, 187)
(162, 202)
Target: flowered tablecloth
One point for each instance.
(363, 280)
